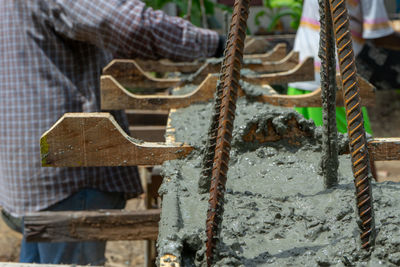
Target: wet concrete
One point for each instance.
(277, 212)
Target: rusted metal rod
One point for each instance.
(329, 160)
(226, 103)
(355, 122)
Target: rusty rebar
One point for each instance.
(329, 160)
(355, 122)
(227, 105)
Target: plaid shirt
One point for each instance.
(52, 53)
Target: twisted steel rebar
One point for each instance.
(355, 122)
(329, 161)
(226, 105)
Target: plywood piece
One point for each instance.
(70, 226)
(287, 63)
(313, 99)
(18, 264)
(164, 65)
(277, 53)
(95, 139)
(131, 75)
(382, 149)
(114, 96)
(302, 72)
(167, 65)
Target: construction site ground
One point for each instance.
(385, 120)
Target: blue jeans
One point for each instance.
(82, 253)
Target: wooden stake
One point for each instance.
(71, 226)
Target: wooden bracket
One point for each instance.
(381, 149)
(114, 96)
(287, 63)
(302, 72)
(313, 99)
(71, 226)
(278, 53)
(95, 139)
(131, 75)
(19, 264)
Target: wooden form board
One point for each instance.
(18, 264)
(114, 96)
(278, 53)
(75, 141)
(313, 99)
(303, 71)
(288, 63)
(382, 149)
(129, 73)
(66, 226)
(259, 44)
(95, 139)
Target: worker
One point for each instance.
(52, 54)
(368, 21)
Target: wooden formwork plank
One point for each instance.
(287, 63)
(382, 149)
(95, 139)
(304, 71)
(18, 264)
(168, 66)
(129, 73)
(277, 53)
(66, 226)
(114, 96)
(313, 99)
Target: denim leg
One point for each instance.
(82, 253)
(29, 252)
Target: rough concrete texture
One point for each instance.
(277, 212)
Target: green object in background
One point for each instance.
(277, 9)
(315, 113)
(195, 15)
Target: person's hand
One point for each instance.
(221, 46)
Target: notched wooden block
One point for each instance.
(96, 139)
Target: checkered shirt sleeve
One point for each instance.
(52, 53)
(129, 29)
